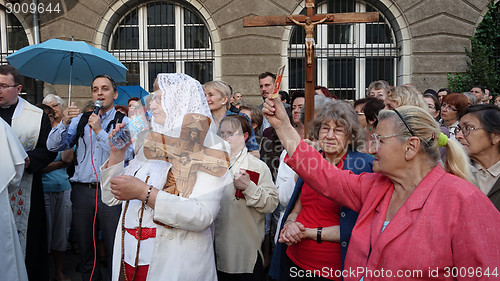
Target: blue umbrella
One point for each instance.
(66, 63)
(127, 92)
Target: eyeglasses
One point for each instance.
(375, 139)
(466, 130)
(5, 87)
(338, 131)
(448, 107)
(226, 135)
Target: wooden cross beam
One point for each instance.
(309, 21)
(260, 21)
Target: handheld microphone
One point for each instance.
(97, 107)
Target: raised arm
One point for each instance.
(295, 21)
(322, 20)
(63, 136)
(275, 113)
(342, 186)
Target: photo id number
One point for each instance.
(32, 8)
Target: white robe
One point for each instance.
(12, 266)
(26, 122)
(184, 252)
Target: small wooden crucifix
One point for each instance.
(309, 21)
(186, 154)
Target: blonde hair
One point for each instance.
(424, 127)
(221, 87)
(405, 95)
(156, 87)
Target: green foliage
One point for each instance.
(458, 82)
(482, 65)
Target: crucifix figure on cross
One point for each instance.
(309, 28)
(309, 21)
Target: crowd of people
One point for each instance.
(398, 185)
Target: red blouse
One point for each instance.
(317, 210)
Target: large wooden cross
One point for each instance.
(309, 21)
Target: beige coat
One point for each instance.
(239, 228)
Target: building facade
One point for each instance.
(414, 41)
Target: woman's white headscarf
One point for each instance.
(180, 94)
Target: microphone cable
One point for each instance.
(96, 198)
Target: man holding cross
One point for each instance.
(170, 191)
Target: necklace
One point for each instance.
(136, 263)
(236, 158)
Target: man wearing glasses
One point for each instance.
(32, 128)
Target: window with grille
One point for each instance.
(12, 38)
(347, 56)
(160, 37)
(12, 35)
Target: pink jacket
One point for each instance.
(446, 222)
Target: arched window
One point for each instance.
(12, 35)
(163, 36)
(347, 56)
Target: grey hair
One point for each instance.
(221, 87)
(378, 85)
(470, 97)
(344, 116)
(427, 130)
(51, 97)
(318, 102)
